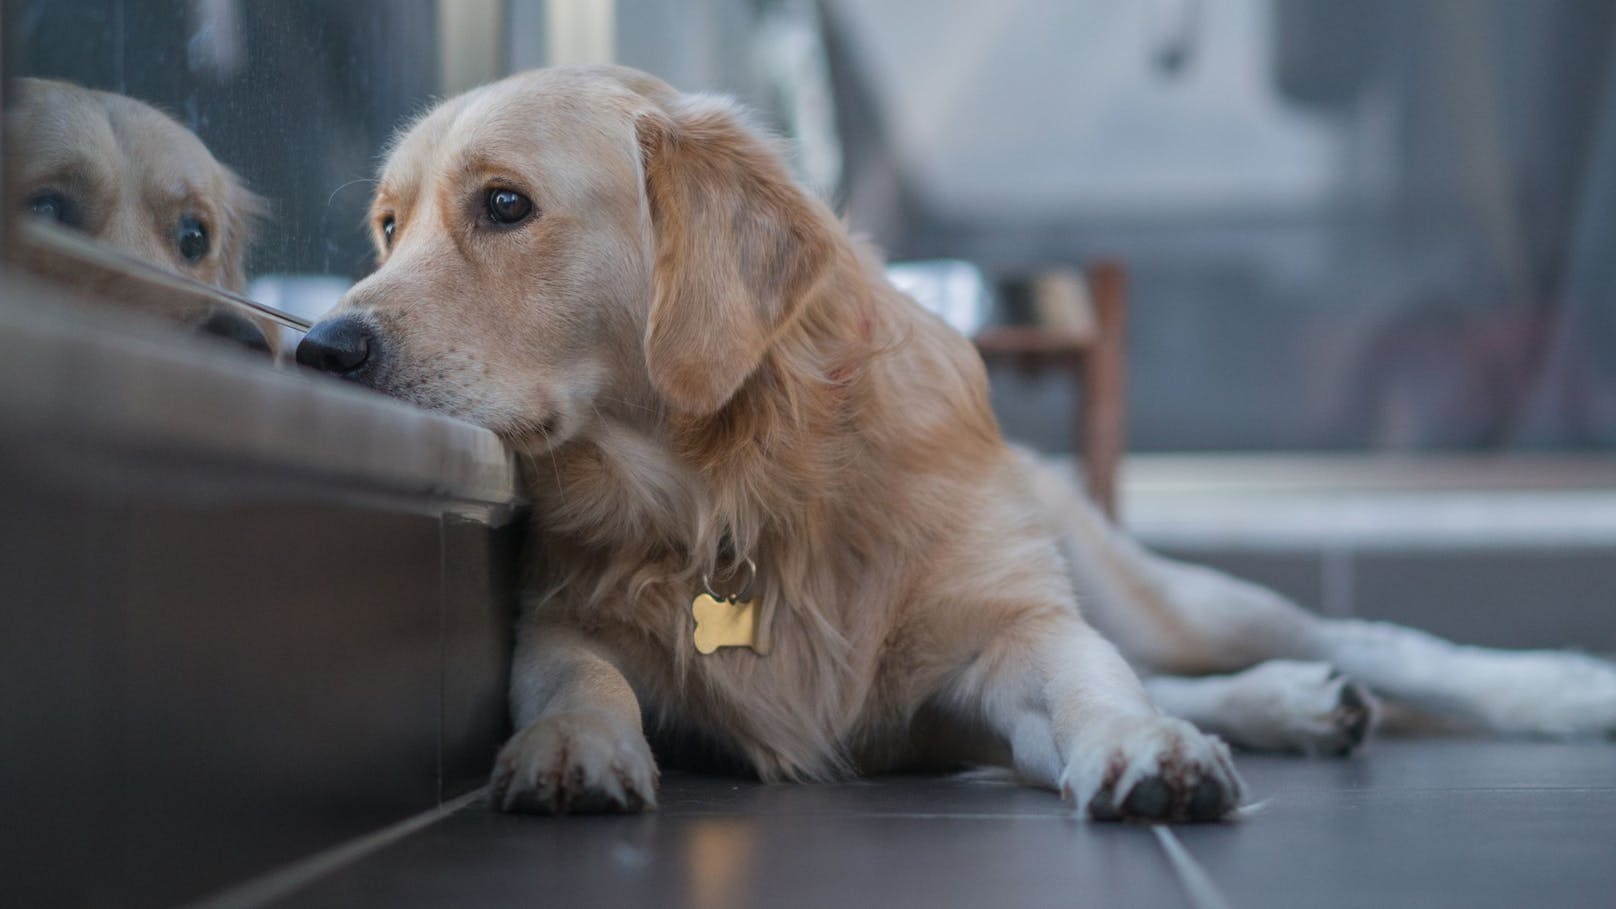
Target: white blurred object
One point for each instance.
(955, 290)
(216, 44)
(1061, 302)
(307, 296)
(789, 56)
(1036, 109)
(581, 31)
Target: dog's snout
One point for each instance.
(342, 346)
(233, 327)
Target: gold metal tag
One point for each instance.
(724, 623)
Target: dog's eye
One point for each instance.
(388, 226)
(192, 239)
(55, 206)
(508, 206)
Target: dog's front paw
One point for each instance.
(1152, 768)
(575, 762)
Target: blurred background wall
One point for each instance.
(1350, 225)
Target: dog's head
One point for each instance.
(571, 241)
(127, 174)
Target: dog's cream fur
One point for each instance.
(133, 173)
(701, 367)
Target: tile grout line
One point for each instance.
(288, 879)
(1197, 884)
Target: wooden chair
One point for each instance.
(1096, 361)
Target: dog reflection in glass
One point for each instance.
(130, 176)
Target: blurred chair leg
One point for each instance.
(1104, 432)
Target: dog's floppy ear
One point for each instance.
(738, 249)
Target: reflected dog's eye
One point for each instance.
(508, 207)
(56, 206)
(388, 227)
(192, 239)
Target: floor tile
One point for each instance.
(1423, 823)
(718, 843)
(1425, 848)
(1456, 764)
(1427, 823)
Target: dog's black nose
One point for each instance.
(237, 328)
(340, 346)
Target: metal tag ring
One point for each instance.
(746, 589)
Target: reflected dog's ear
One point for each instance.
(739, 246)
(242, 209)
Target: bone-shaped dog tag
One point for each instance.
(724, 623)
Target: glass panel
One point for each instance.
(226, 141)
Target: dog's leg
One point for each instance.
(579, 744)
(1549, 693)
(1166, 616)
(1190, 620)
(1182, 619)
(1278, 705)
(1077, 720)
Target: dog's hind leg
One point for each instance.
(1165, 616)
(1278, 705)
(1549, 693)
(1170, 617)
(1211, 623)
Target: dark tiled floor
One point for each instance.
(1436, 823)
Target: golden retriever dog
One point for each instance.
(132, 177)
(774, 517)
